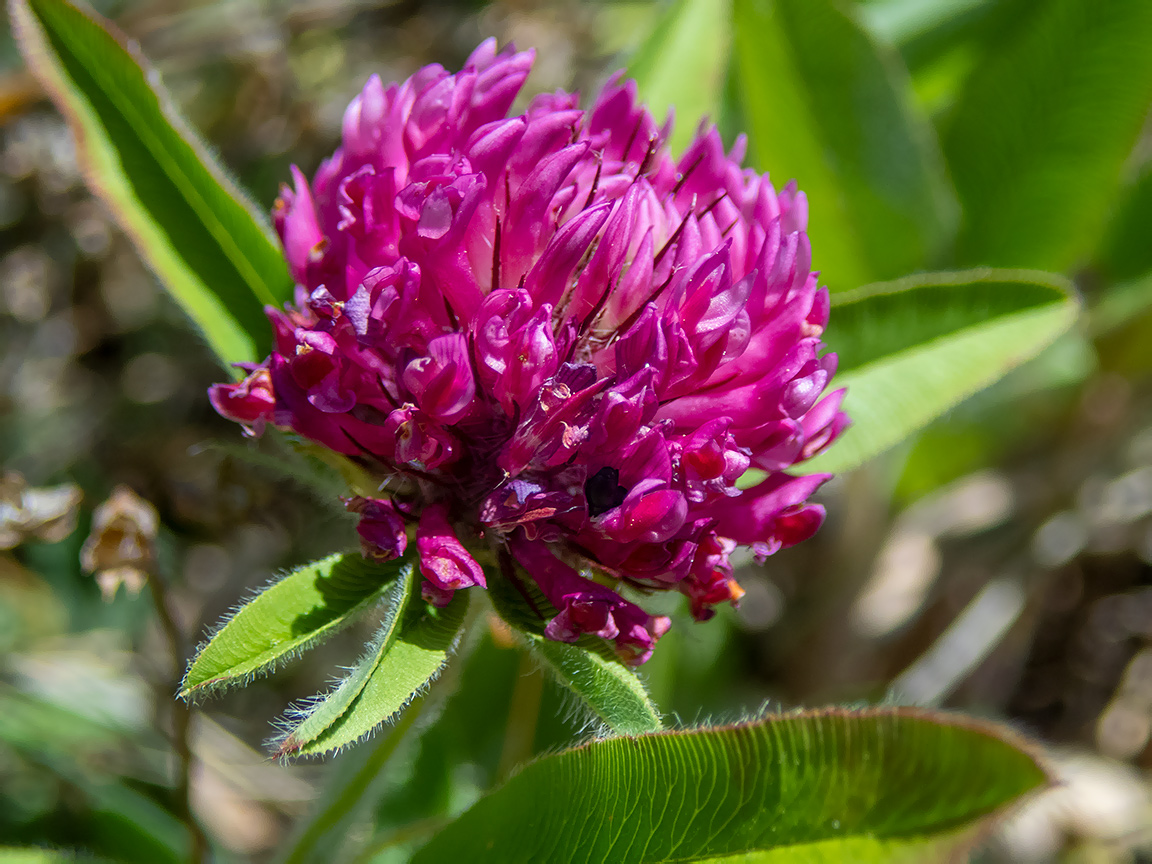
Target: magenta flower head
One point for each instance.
(556, 346)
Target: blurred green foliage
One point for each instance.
(927, 134)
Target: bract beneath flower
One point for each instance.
(553, 340)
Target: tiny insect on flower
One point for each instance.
(552, 339)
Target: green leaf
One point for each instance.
(589, 668)
(401, 663)
(836, 785)
(13, 855)
(281, 456)
(829, 107)
(322, 713)
(131, 827)
(682, 64)
(486, 681)
(290, 616)
(903, 21)
(1126, 252)
(909, 350)
(1119, 305)
(610, 689)
(188, 219)
(1042, 128)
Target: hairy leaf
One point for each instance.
(290, 616)
(400, 664)
(875, 785)
(609, 688)
(828, 107)
(589, 668)
(326, 711)
(189, 221)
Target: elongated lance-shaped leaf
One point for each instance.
(683, 62)
(189, 221)
(904, 21)
(828, 107)
(609, 688)
(1126, 252)
(325, 711)
(1041, 131)
(835, 785)
(289, 616)
(33, 855)
(909, 350)
(387, 678)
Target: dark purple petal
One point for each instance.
(381, 528)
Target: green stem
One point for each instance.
(413, 831)
(181, 718)
(523, 712)
(329, 817)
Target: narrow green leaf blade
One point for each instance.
(903, 21)
(682, 64)
(418, 652)
(1126, 252)
(609, 688)
(189, 221)
(909, 350)
(322, 713)
(1039, 136)
(812, 786)
(858, 850)
(827, 106)
(290, 616)
(32, 855)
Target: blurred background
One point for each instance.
(999, 564)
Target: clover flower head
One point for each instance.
(556, 346)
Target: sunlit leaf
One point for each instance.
(1040, 133)
(902, 21)
(683, 62)
(1014, 415)
(911, 349)
(611, 690)
(290, 616)
(828, 107)
(874, 785)
(589, 669)
(188, 219)
(323, 712)
(13, 855)
(401, 662)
